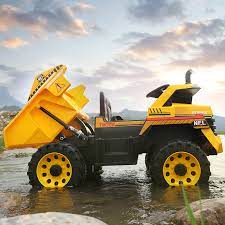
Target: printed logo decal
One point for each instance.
(107, 124)
(200, 123)
(59, 87)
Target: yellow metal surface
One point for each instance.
(214, 140)
(191, 109)
(46, 163)
(147, 124)
(180, 110)
(167, 93)
(32, 127)
(193, 169)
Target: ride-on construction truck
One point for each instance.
(176, 135)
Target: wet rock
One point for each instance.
(51, 218)
(212, 211)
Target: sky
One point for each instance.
(125, 48)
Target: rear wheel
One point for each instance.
(148, 161)
(180, 163)
(56, 165)
(93, 171)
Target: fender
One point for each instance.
(213, 139)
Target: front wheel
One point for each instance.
(180, 163)
(56, 165)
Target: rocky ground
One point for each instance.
(5, 118)
(53, 218)
(207, 212)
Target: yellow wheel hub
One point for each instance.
(54, 170)
(181, 168)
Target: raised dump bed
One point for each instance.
(32, 127)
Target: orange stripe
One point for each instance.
(167, 122)
(176, 118)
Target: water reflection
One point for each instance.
(115, 203)
(49, 200)
(173, 196)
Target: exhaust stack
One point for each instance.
(188, 76)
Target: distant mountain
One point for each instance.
(126, 114)
(11, 108)
(132, 114)
(141, 115)
(6, 99)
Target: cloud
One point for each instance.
(46, 17)
(187, 40)
(209, 55)
(210, 10)
(17, 81)
(115, 75)
(124, 83)
(84, 6)
(157, 11)
(131, 37)
(13, 43)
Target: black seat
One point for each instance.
(105, 107)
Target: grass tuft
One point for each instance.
(190, 214)
(188, 208)
(202, 217)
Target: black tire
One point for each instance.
(148, 161)
(179, 146)
(93, 175)
(71, 152)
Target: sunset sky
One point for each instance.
(125, 48)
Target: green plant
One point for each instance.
(1, 144)
(188, 208)
(202, 218)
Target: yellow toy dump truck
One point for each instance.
(176, 135)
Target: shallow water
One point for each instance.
(124, 195)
